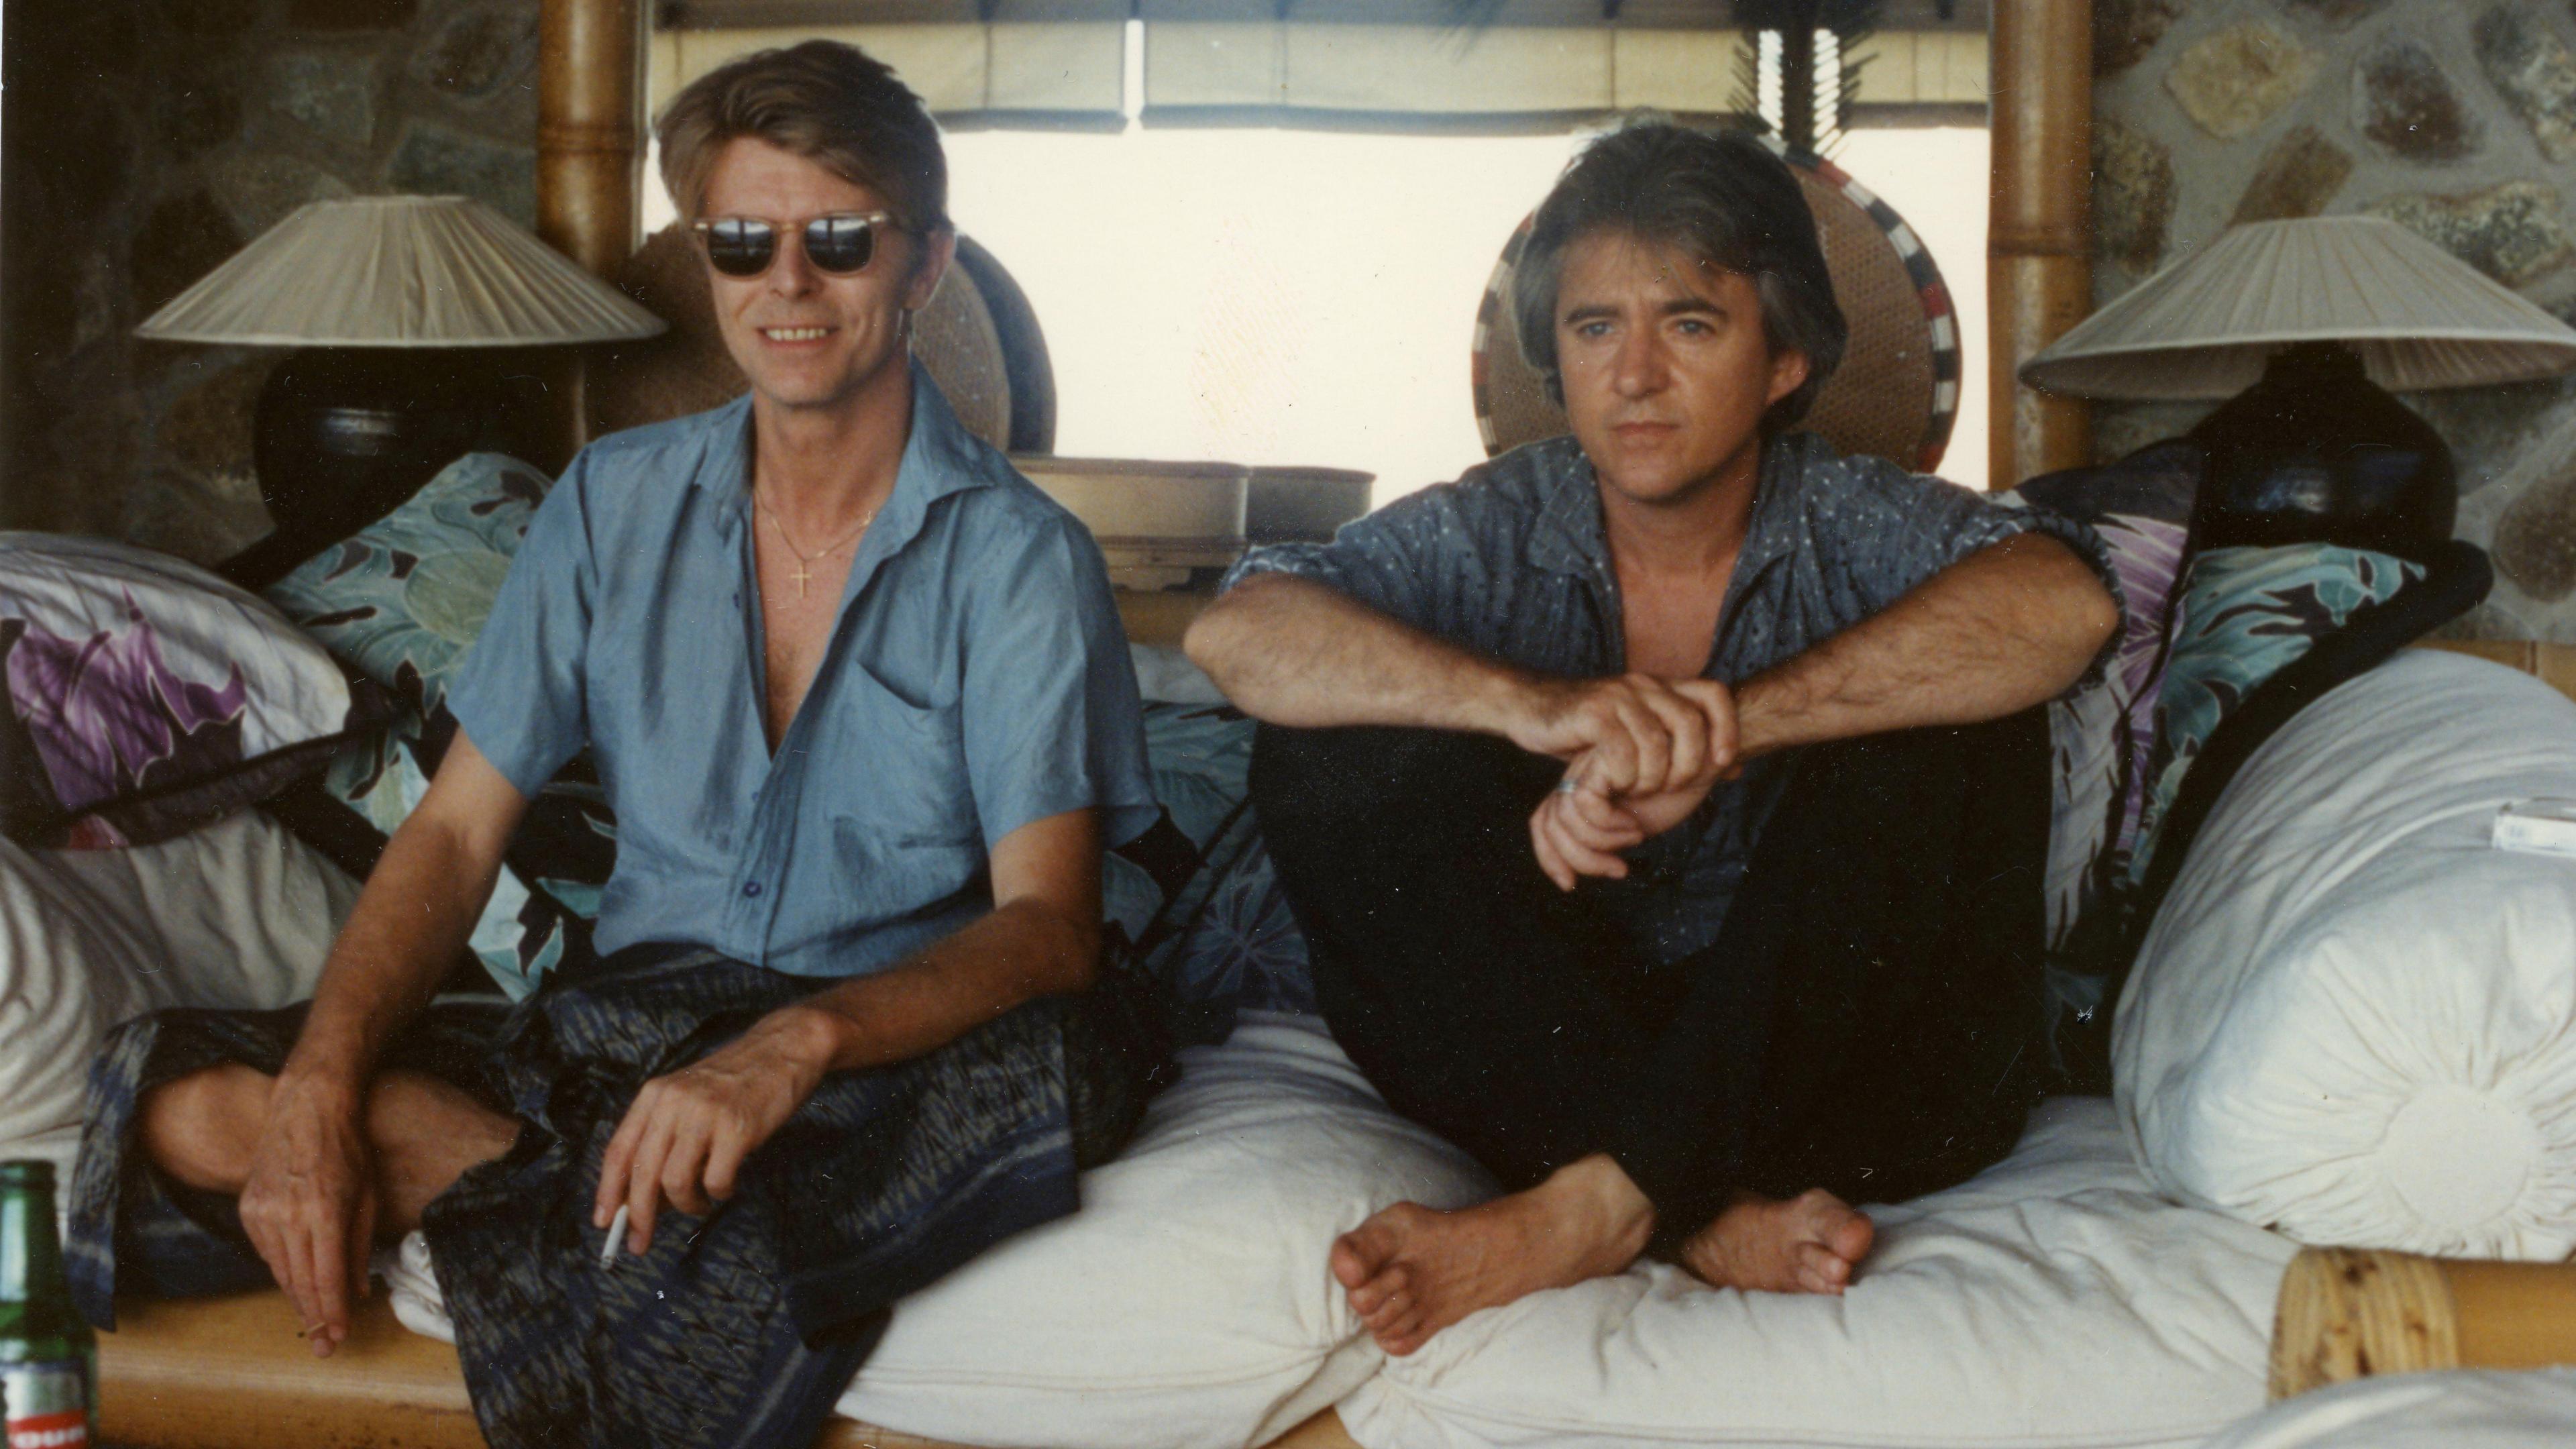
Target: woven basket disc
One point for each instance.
(687, 369)
(1895, 394)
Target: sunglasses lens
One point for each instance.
(840, 244)
(740, 246)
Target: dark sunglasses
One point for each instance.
(839, 245)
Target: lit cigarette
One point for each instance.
(616, 1235)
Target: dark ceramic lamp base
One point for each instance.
(344, 436)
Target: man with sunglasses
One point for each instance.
(860, 699)
(1664, 804)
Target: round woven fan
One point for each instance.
(977, 337)
(1897, 391)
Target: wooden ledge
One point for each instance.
(234, 1373)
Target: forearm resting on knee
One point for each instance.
(1290, 651)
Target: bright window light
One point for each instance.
(1309, 297)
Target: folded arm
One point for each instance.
(308, 1205)
(1291, 651)
(684, 1140)
(2003, 629)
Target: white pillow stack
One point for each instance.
(2052, 1302)
(2459, 1409)
(1188, 1305)
(2354, 1019)
(237, 913)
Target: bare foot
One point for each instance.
(1808, 1244)
(1411, 1271)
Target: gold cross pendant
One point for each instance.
(800, 576)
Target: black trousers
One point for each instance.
(1866, 1021)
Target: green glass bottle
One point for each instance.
(48, 1356)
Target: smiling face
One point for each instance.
(805, 338)
(1665, 365)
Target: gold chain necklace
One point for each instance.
(804, 572)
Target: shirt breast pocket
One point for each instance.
(897, 768)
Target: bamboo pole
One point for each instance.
(590, 148)
(2039, 271)
(2348, 1313)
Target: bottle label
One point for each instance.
(47, 1405)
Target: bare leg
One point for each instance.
(202, 1128)
(426, 1134)
(1810, 1243)
(1412, 1272)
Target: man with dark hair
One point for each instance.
(1665, 804)
(861, 702)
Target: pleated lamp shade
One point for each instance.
(399, 271)
(2204, 327)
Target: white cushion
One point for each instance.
(237, 913)
(1188, 1303)
(2354, 1019)
(2055, 1300)
(2461, 1409)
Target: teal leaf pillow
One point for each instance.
(2246, 614)
(402, 600)
(1195, 901)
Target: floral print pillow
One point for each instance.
(403, 599)
(1194, 900)
(146, 697)
(2245, 615)
(2101, 738)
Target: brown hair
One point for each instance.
(822, 100)
(1723, 197)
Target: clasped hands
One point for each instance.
(1640, 754)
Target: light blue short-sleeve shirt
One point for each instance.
(976, 680)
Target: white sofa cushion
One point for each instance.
(1188, 1304)
(2460, 1409)
(2354, 1019)
(2054, 1300)
(237, 913)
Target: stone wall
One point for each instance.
(148, 140)
(2457, 120)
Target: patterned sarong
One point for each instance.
(739, 1328)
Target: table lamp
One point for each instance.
(405, 311)
(2305, 326)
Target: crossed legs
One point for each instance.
(200, 1130)
(1702, 1109)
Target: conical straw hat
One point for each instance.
(2203, 328)
(399, 271)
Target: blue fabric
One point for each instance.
(1512, 561)
(736, 1330)
(977, 680)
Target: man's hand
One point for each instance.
(1635, 735)
(1579, 829)
(684, 1139)
(309, 1205)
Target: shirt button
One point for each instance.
(751, 887)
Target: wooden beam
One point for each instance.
(590, 128)
(590, 154)
(2039, 270)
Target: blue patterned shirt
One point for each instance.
(976, 680)
(1512, 561)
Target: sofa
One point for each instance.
(2285, 1067)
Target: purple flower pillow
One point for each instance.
(145, 697)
